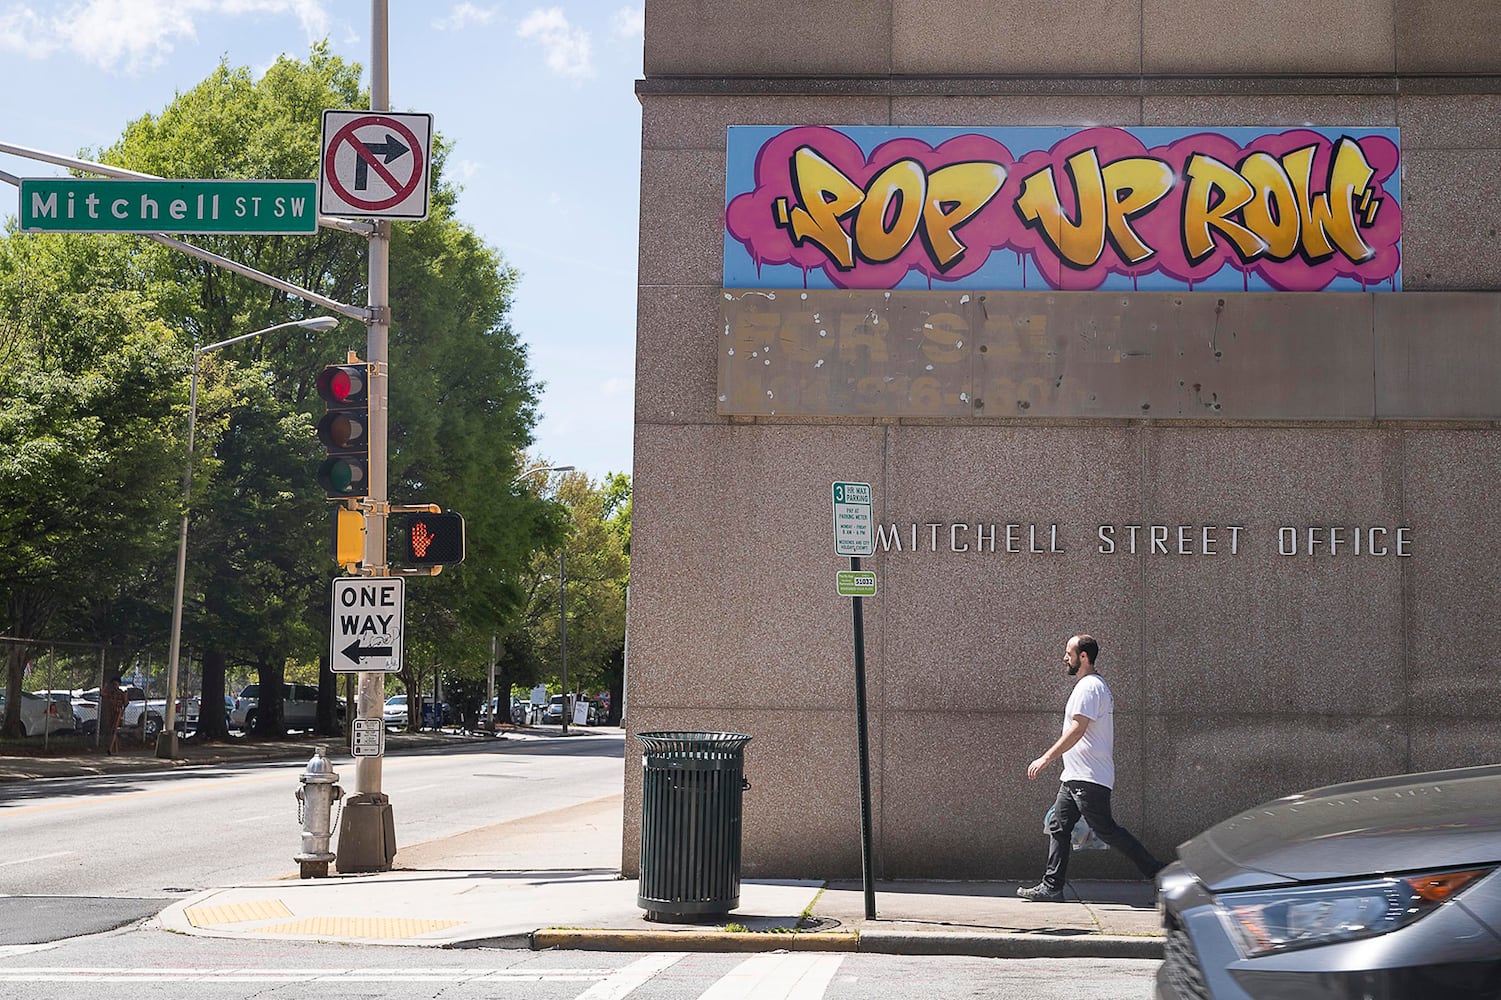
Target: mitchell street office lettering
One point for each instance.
(1210, 540)
(1303, 209)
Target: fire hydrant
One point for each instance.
(315, 802)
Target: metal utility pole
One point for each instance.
(367, 834)
(563, 629)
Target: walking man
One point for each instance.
(1087, 748)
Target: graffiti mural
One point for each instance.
(1236, 209)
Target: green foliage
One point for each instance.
(96, 336)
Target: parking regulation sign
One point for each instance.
(854, 533)
(368, 612)
(375, 165)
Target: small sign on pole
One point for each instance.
(856, 583)
(854, 533)
(369, 737)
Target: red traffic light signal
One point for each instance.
(431, 539)
(345, 431)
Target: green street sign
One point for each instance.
(856, 583)
(103, 205)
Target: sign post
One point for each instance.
(854, 536)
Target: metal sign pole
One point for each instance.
(367, 837)
(862, 738)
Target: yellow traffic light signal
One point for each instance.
(348, 537)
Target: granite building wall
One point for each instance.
(1238, 676)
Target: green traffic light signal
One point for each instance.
(345, 430)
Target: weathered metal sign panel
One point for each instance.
(1050, 354)
(1130, 209)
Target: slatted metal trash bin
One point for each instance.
(690, 823)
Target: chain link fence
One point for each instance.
(61, 683)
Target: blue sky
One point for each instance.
(536, 99)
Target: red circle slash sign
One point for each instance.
(373, 162)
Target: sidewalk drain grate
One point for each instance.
(236, 913)
(386, 928)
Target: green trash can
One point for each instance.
(690, 823)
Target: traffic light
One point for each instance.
(345, 431)
(347, 541)
(431, 539)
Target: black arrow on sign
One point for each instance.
(354, 651)
(390, 149)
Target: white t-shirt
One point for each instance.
(1093, 757)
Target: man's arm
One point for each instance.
(1077, 726)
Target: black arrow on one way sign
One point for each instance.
(390, 150)
(354, 651)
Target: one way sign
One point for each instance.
(367, 623)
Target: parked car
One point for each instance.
(66, 714)
(395, 710)
(1381, 888)
(554, 711)
(139, 710)
(40, 714)
(299, 707)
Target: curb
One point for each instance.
(1009, 945)
(876, 942)
(737, 941)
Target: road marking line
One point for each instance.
(792, 976)
(69, 974)
(251, 819)
(38, 857)
(625, 981)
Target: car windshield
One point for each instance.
(397, 699)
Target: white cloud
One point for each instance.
(465, 14)
(468, 169)
(567, 49)
(138, 33)
(630, 22)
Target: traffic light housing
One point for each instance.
(345, 430)
(347, 540)
(431, 539)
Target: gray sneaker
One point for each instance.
(1040, 893)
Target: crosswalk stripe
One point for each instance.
(789, 976)
(625, 981)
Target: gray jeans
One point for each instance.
(1092, 801)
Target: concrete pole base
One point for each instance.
(367, 834)
(166, 745)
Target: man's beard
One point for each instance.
(1073, 669)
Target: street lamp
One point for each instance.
(166, 740)
(562, 624)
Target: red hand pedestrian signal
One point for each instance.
(431, 539)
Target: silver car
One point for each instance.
(1386, 888)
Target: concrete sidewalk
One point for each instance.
(501, 886)
(553, 881)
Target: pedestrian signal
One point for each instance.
(431, 539)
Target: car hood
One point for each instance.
(1406, 822)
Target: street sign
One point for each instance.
(369, 737)
(368, 612)
(853, 528)
(109, 205)
(375, 165)
(856, 583)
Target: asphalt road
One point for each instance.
(162, 833)
(142, 964)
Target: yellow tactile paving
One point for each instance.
(236, 913)
(388, 928)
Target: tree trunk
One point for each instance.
(328, 700)
(212, 723)
(270, 720)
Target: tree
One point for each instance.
(597, 567)
(90, 465)
(462, 403)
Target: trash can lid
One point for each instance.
(692, 742)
